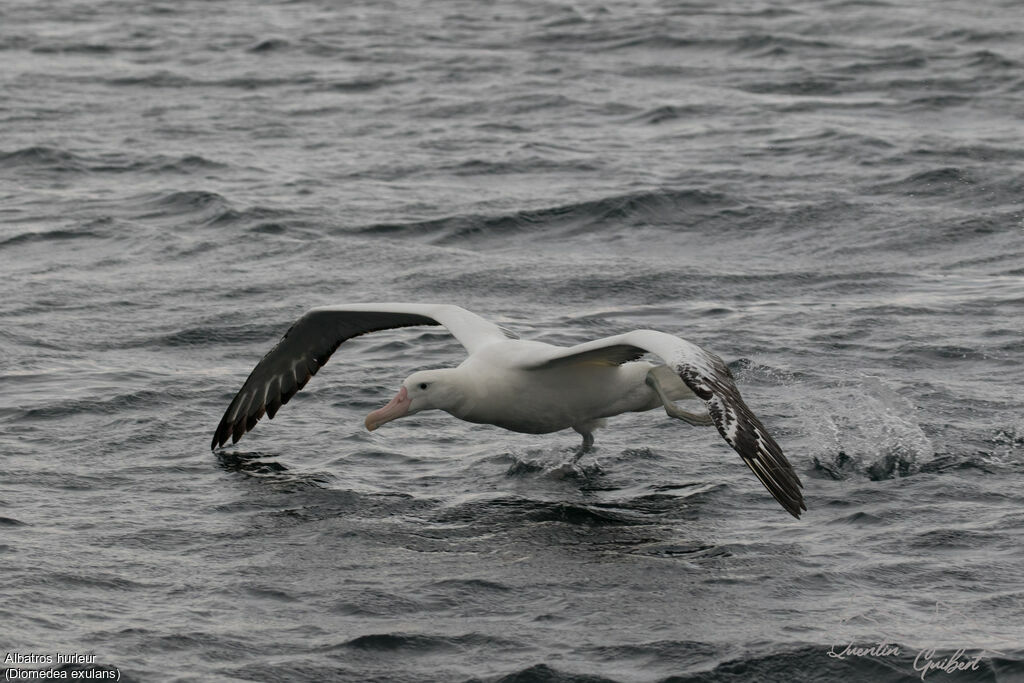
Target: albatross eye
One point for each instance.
(423, 385)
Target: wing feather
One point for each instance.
(310, 341)
(709, 378)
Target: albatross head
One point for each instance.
(424, 390)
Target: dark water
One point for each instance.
(830, 195)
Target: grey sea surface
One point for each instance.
(830, 195)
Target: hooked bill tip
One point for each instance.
(396, 408)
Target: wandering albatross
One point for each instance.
(523, 386)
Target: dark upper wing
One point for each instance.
(308, 344)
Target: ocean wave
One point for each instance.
(691, 553)
(988, 59)
(975, 153)
(524, 165)
(158, 79)
(39, 158)
(412, 643)
(59, 235)
(967, 186)
(165, 79)
(102, 404)
(214, 334)
(653, 41)
(775, 45)
(211, 210)
(358, 85)
(375, 603)
(43, 158)
(186, 201)
(959, 539)
(898, 59)
(75, 48)
(270, 45)
(803, 87)
(542, 673)
(474, 586)
(975, 35)
(933, 102)
(934, 182)
(681, 655)
(657, 208)
(514, 511)
(186, 164)
(670, 113)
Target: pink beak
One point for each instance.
(398, 407)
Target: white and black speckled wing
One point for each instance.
(309, 343)
(710, 379)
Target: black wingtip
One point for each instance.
(800, 506)
(793, 507)
(218, 437)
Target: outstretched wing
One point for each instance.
(710, 379)
(309, 342)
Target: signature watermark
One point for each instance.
(926, 661)
(882, 649)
